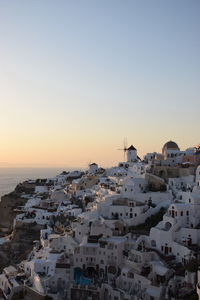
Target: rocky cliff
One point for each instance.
(8, 206)
(23, 235)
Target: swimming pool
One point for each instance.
(80, 279)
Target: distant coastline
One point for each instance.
(10, 177)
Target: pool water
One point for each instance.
(80, 279)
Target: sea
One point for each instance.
(10, 177)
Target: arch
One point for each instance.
(112, 269)
(168, 225)
(162, 173)
(153, 243)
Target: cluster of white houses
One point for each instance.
(131, 232)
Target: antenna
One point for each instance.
(125, 147)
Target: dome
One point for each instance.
(170, 146)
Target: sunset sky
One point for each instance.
(76, 77)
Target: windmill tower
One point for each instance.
(131, 154)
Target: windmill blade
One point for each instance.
(125, 143)
(125, 147)
(88, 163)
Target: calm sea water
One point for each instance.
(10, 177)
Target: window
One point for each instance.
(181, 213)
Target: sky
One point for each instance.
(77, 77)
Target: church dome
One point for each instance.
(170, 146)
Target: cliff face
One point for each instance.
(23, 235)
(21, 244)
(7, 214)
(9, 203)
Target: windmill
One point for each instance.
(125, 147)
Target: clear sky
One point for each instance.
(76, 77)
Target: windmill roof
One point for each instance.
(131, 148)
